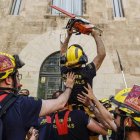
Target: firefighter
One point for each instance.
(73, 58)
(45, 122)
(103, 104)
(23, 111)
(127, 114)
(126, 120)
(74, 124)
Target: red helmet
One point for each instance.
(9, 64)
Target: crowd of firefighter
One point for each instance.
(74, 113)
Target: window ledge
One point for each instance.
(61, 16)
(119, 18)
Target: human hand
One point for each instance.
(70, 32)
(70, 80)
(33, 134)
(83, 99)
(90, 94)
(95, 33)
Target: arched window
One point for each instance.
(50, 76)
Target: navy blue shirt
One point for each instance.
(83, 75)
(77, 126)
(23, 114)
(45, 128)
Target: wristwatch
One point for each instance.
(91, 107)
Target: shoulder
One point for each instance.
(27, 98)
(25, 102)
(63, 69)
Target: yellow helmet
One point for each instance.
(8, 64)
(121, 95)
(107, 104)
(123, 100)
(104, 100)
(74, 56)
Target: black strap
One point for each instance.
(2, 89)
(1, 129)
(7, 102)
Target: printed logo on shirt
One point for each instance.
(70, 124)
(43, 121)
(90, 66)
(78, 79)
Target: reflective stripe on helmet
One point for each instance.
(7, 65)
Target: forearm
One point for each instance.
(101, 119)
(101, 53)
(99, 116)
(99, 43)
(107, 116)
(63, 98)
(104, 112)
(64, 45)
(104, 119)
(50, 106)
(94, 126)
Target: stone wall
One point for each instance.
(26, 33)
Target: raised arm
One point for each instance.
(101, 53)
(49, 106)
(107, 116)
(88, 102)
(94, 126)
(64, 45)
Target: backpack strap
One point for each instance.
(62, 128)
(6, 100)
(1, 129)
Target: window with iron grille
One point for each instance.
(118, 8)
(15, 8)
(72, 6)
(50, 77)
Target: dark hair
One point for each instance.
(24, 92)
(56, 94)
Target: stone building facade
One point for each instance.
(34, 33)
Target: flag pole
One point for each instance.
(121, 67)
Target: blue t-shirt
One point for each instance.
(23, 114)
(45, 128)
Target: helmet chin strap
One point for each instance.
(10, 89)
(120, 135)
(15, 88)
